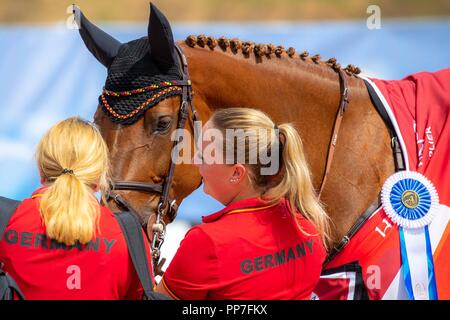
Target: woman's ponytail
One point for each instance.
(296, 184)
(70, 210)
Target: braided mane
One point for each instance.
(260, 50)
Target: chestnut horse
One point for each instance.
(289, 87)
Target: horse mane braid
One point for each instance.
(261, 50)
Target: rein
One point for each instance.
(166, 205)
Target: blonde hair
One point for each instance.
(293, 180)
(73, 161)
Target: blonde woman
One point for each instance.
(268, 242)
(61, 243)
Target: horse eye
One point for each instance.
(164, 124)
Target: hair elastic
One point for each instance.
(67, 171)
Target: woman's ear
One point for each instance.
(238, 173)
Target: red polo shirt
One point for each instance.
(248, 250)
(45, 269)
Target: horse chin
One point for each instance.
(147, 212)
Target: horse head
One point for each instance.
(142, 74)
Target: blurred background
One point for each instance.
(47, 74)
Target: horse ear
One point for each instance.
(100, 44)
(162, 46)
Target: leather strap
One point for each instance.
(8, 287)
(344, 101)
(138, 186)
(353, 230)
(7, 209)
(132, 232)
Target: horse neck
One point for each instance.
(306, 94)
(288, 89)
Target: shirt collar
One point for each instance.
(38, 192)
(245, 205)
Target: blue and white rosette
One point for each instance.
(411, 201)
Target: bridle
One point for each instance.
(166, 205)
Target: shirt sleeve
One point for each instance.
(193, 270)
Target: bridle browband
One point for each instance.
(166, 205)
